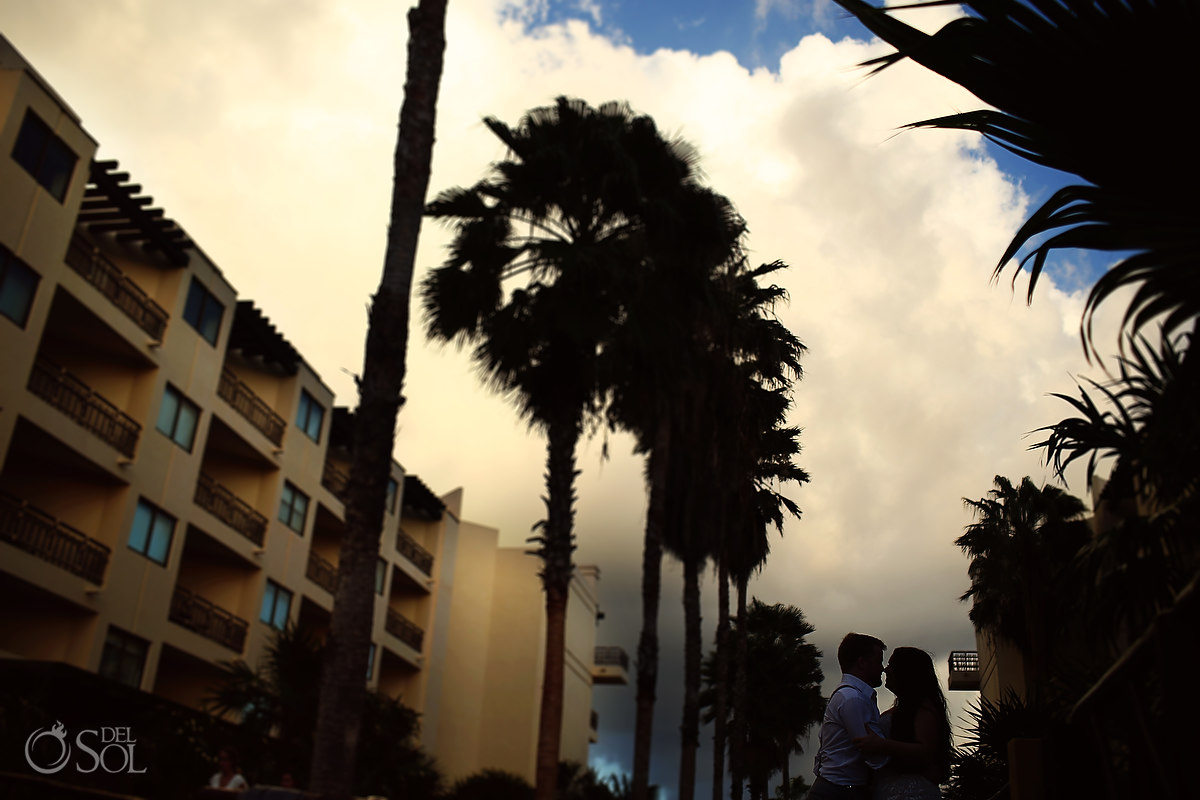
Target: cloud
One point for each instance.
(267, 131)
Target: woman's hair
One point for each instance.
(912, 678)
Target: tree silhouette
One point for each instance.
(343, 689)
(566, 212)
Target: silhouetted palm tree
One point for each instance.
(1081, 86)
(1021, 548)
(785, 701)
(655, 370)
(566, 212)
(343, 689)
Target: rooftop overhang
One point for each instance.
(112, 205)
(257, 339)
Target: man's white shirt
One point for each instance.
(852, 711)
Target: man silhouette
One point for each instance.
(842, 771)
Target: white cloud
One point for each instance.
(271, 143)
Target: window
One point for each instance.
(309, 416)
(293, 507)
(44, 156)
(177, 418)
(393, 489)
(18, 284)
(277, 602)
(152, 532)
(203, 312)
(380, 575)
(124, 657)
(370, 661)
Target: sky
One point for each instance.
(266, 129)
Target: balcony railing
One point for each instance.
(964, 670)
(210, 621)
(230, 509)
(404, 630)
(76, 399)
(610, 665)
(36, 532)
(322, 573)
(251, 406)
(611, 657)
(335, 480)
(414, 552)
(117, 287)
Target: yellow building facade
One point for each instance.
(171, 475)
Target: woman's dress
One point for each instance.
(892, 783)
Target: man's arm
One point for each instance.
(860, 718)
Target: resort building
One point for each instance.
(172, 473)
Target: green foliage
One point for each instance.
(1022, 548)
(577, 782)
(491, 784)
(797, 791)
(783, 687)
(1081, 86)
(277, 707)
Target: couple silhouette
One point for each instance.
(902, 754)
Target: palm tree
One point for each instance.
(1080, 86)
(277, 707)
(1021, 547)
(343, 690)
(736, 349)
(761, 462)
(566, 211)
(653, 367)
(786, 701)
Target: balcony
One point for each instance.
(251, 406)
(610, 665)
(408, 547)
(322, 573)
(117, 287)
(212, 622)
(403, 629)
(76, 399)
(36, 532)
(227, 507)
(335, 480)
(964, 670)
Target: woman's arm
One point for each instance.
(925, 748)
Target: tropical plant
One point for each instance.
(343, 690)
(567, 212)
(1144, 550)
(784, 671)
(1021, 547)
(276, 704)
(579, 782)
(653, 367)
(491, 784)
(1079, 86)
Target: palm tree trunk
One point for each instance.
(556, 547)
(647, 654)
(720, 702)
(343, 688)
(737, 748)
(786, 768)
(690, 727)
